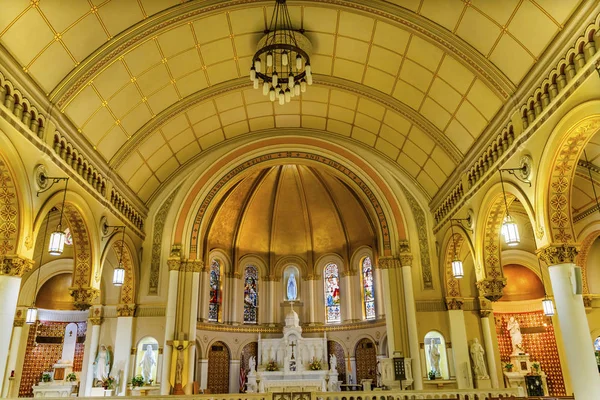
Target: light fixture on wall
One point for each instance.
(32, 311)
(457, 265)
(281, 65)
(57, 238)
(589, 168)
(547, 303)
(510, 229)
(119, 271)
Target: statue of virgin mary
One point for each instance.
(292, 289)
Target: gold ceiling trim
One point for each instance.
(302, 157)
(205, 326)
(125, 42)
(385, 100)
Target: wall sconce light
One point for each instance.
(510, 230)
(57, 238)
(457, 265)
(119, 271)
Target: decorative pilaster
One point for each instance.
(13, 265)
(491, 288)
(126, 310)
(83, 297)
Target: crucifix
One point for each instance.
(292, 345)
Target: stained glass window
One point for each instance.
(368, 288)
(597, 344)
(332, 293)
(215, 291)
(251, 295)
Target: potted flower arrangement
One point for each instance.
(137, 381)
(508, 367)
(271, 366)
(315, 365)
(535, 366)
(431, 375)
(108, 383)
(71, 377)
(46, 377)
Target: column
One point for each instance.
(94, 323)
(195, 267)
(204, 373)
(170, 313)
(396, 324)
(237, 299)
(204, 295)
(274, 303)
(487, 319)
(122, 351)
(346, 295)
(13, 354)
(460, 347)
(572, 320)
(310, 281)
(379, 296)
(411, 320)
(234, 376)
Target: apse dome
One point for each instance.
(290, 210)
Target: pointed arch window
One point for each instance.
(251, 295)
(368, 288)
(332, 293)
(214, 305)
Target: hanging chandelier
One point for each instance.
(281, 65)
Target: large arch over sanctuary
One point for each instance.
(259, 196)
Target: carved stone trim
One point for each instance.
(388, 263)
(126, 310)
(96, 320)
(491, 288)
(558, 253)
(83, 297)
(18, 322)
(13, 265)
(192, 266)
(174, 264)
(406, 260)
(349, 273)
(454, 303)
(157, 241)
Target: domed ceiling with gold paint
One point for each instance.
(154, 84)
(290, 210)
(521, 284)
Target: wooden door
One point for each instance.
(334, 347)
(366, 361)
(218, 368)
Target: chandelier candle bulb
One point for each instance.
(272, 94)
(256, 84)
(288, 95)
(281, 99)
(284, 58)
(309, 80)
(308, 70)
(303, 86)
(252, 74)
(298, 62)
(297, 90)
(265, 88)
(275, 78)
(269, 59)
(257, 65)
(291, 80)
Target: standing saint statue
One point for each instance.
(477, 353)
(102, 363)
(434, 358)
(148, 361)
(292, 289)
(514, 330)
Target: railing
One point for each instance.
(450, 394)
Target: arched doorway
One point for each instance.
(218, 368)
(334, 347)
(366, 360)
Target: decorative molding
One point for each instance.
(9, 219)
(96, 320)
(423, 236)
(174, 264)
(454, 303)
(491, 288)
(491, 239)
(306, 328)
(126, 310)
(150, 311)
(289, 155)
(82, 247)
(18, 322)
(14, 265)
(128, 289)
(555, 253)
(430, 305)
(453, 248)
(388, 263)
(62, 315)
(157, 241)
(83, 298)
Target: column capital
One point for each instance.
(96, 320)
(454, 303)
(269, 278)
(192, 266)
(126, 310)
(83, 297)
(348, 272)
(14, 265)
(406, 259)
(174, 264)
(388, 263)
(311, 277)
(18, 322)
(558, 253)
(491, 288)
(587, 303)
(485, 307)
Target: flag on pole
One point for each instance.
(242, 375)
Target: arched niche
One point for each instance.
(436, 357)
(146, 359)
(288, 271)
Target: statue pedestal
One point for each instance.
(520, 362)
(483, 383)
(521, 373)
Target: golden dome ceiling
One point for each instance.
(54, 293)
(521, 284)
(152, 84)
(290, 210)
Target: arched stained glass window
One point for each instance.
(215, 291)
(251, 295)
(368, 288)
(332, 293)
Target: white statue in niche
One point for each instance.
(477, 354)
(102, 363)
(292, 289)
(332, 363)
(514, 329)
(434, 358)
(252, 364)
(148, 361)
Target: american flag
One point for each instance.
(242, 375)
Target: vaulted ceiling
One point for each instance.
(154, 84)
